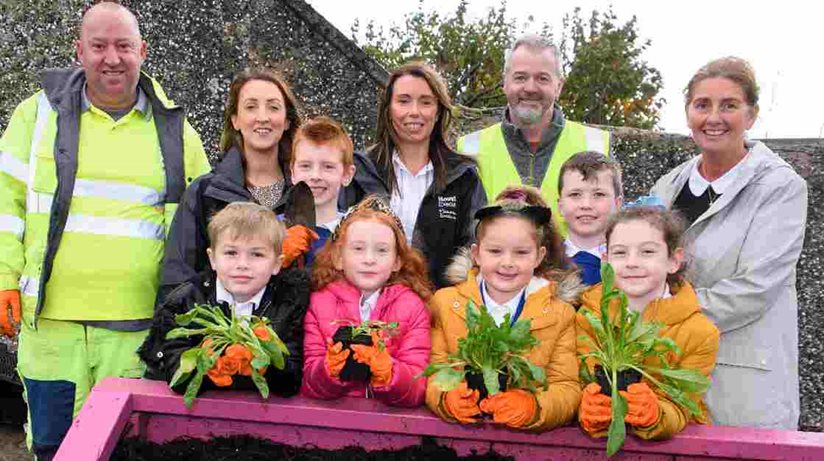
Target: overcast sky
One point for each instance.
(783, 40)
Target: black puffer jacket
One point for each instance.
(185, 253)
(284, 303)
(446, 218)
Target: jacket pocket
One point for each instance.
(758, 358)
(45, 172)
(545, 321)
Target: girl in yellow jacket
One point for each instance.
(644, 249)
(516, 253)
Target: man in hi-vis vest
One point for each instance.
(92, 168)
(534, 139)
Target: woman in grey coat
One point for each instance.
(747, 210)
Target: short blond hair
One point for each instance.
(247, 220)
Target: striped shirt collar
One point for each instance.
(141, 105)
(572, 249)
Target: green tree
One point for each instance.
(469, 54)
(607, 82)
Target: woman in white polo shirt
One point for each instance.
(434, 190)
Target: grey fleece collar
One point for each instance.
(549, 135)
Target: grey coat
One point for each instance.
(745, 248)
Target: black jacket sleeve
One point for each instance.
(286, 312)
(367, 181)
(182, 259)
(162, 356)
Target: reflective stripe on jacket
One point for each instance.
(103, 195)
(497, 171)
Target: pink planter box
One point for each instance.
(149, 410)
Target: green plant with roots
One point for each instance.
(629, 343)
(220, 332)
(490, 350)
(367, 327)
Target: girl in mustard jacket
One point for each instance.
(510, 271)
(644, 249)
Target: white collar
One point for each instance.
(367, 304)
(667, 293)
(396, 159)
(498, 311)
(572, 249)
(699, 185)
(331, 225)
(239, 308)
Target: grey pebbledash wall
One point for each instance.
(196, 46)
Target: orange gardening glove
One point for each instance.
(462, 403)
(335, 358)
(379, 361)
(221, 372)
(515, 408)
(242, 356)
(595, 414)
(643, 409)
(297, 242)
(9, 301)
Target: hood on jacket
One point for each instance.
(371, 177)
(568, 289)
(760, 162)
(58, 83)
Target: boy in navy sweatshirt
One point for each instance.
(589, 191)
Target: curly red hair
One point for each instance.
(413, 267)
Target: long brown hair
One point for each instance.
(413, 268)
(233, 138)
(386, 137)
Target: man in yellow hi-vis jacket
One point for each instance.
(534, 139)
(91, 170)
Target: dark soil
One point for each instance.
(353, 370)
(13, 444)
(625, 378)
(12, 406)
(247, 448)
(476, 381)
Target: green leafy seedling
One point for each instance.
(219, 332)
(629, 343)
(490, 350)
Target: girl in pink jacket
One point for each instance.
(368, 273)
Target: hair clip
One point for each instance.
(538, 214)
(372, 202)
(646, 200)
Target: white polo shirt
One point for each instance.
(406, 200)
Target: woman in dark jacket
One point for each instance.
(434, 190)
(284, 303)
(260, 119)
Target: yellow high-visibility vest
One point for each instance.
(497, 171)
(107, 266)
